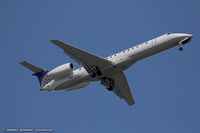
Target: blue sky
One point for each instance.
(165, 86)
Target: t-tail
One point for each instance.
(39, 72)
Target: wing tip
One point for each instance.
(61, 44)
(58, 43)
(22, 62)
(54, 40)
(131, 104)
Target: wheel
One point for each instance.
(93, 74)
(99, 73)
(110, 88)
(180, 48)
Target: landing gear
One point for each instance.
(93, 74)
(109, 88)
(109, 83)
(95, 71)
(180, 46)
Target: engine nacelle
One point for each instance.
(61, 71)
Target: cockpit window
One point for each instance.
(169, 33)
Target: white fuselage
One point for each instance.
(80, 78)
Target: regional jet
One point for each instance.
(109, 71)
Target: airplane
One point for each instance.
(109, 71)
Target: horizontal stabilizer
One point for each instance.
(123, 90)
(31, 67)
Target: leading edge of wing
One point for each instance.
(83, 57)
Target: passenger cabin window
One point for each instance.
(169, 33)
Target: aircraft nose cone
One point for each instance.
(189, 35)
(184, 35)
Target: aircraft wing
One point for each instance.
(82, 57)
(121, 88)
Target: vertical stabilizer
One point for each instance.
(39, 72)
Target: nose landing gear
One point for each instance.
(180, 46)
(184, 41)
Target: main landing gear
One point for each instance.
(109, 83)
(95, 71)
(109, 88)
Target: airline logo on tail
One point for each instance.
(39, 72)
(46, 79)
